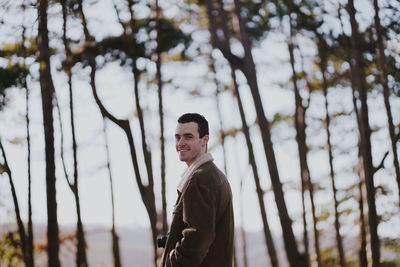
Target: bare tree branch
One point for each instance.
(380, 166)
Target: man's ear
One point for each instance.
(205, 138)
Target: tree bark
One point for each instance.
(260, 192)
(161, 116)
(218, 90)
(217, 23)
(20, 224)
(322, 50)
(383, 73)
(300, 125)
(146, 192)
(47, 91)
(362, 253)
(29, 242)
(115, 238)
(81, 257)
(365, 135)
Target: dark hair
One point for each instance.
(202, 123)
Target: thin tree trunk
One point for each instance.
(362, 253)
(20, 224)
(383, 73)
(81, 257)
(136, 76)
(365, 135)
(361, 173)
(260, 192)
(222, 134)
(217, 23)
(31, 260)
(300, 112)
(146, 192)
(218, 90)
(29, 243)
(47, 92)
(115, 238)
(161, 115)
(145, 148)
(322, 48)
(304, 217)
(248, 68)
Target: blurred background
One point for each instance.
(303, 102)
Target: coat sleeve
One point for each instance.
(199, 212)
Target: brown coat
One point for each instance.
(202, 227)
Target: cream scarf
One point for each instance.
(206, 157)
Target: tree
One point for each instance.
(47, 92)
(161, 114)
(383, 73)
(81, 258)
(220, 38)
(365, 133)
(115, 238)
(300, 124)
(260, 192)
(21, 229)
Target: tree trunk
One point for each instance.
(322, 49)
(146, 192)
(362, 253)
(161, 115)
(218, 90)
(363, 232)
(81, 257)
(300, 112)
(217, 23)
(294, 257)
(47, 91)
(31, 260)
(260, 192)
(145, 148)
(20, 224)
(115, 238)
(365, 135)
(383, 73)
(29, 242)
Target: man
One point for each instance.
(201, 232)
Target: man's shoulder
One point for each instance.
(209, 173)
(209, 168)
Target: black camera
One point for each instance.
(161, 241)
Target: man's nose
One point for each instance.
(180, 142)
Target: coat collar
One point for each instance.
(206, 157)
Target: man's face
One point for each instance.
(188, 143)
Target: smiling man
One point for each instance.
(202, 227)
